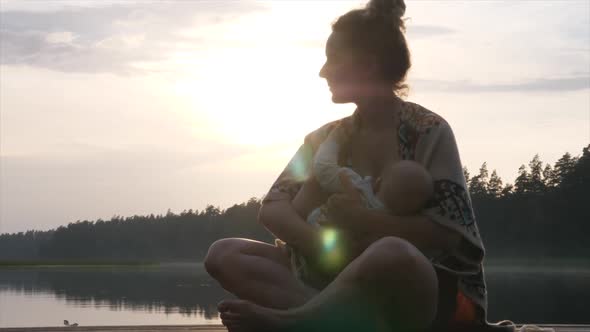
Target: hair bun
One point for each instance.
(396, 8)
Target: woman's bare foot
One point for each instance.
(245, 316)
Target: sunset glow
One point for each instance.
(131, 107)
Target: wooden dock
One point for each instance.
(202, 328)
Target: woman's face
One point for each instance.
(347, 76)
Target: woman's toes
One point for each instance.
(229, 315)
(233, 326)
(235, 305)
(229, 323)
(223, 306)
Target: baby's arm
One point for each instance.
(309, 197)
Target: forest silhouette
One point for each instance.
(543, 215)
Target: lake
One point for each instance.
(185, 294)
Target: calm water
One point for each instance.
(184, 294)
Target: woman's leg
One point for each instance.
(391, 281)
(256, 271)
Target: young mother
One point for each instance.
(403, 273)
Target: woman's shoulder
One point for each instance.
(421, 130)
(421, 119)
(316, 137)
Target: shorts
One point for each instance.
(455, 309)
(465, 312)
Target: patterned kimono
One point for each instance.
(426, 138)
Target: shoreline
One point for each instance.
(75, 263)
(580, 263)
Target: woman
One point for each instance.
(414, 273)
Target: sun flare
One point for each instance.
(262, 86)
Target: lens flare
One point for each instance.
(332, 256)
(298, 165)
(329, 239)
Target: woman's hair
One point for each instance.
(379, 29)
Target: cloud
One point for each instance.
(82, 158)
(538, 85)
(422, 31)
(113, 38)
(125, 39)
(413, 32)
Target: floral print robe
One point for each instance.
(427, 138)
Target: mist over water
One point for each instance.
(538, 294)
(182, 294)
(185, 294)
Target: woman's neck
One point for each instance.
(378, 112)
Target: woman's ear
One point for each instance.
(369, 66)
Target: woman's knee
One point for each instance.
(219, 253)
(388, 255)
(392, 260)
(394, 265)
(227, 254)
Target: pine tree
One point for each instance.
(583, 165)
(522, 182)
(466, 175)
(483, 171)
(549, 179)
(508, 190)
(563, 167)
(495, 185)
(578, 171)
(479, 183)
(536, 176)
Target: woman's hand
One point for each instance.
(344, 231)
(345, 210)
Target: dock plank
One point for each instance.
(203, 328)
(127, 328)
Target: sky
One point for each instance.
(136, 107)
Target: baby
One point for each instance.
(402, 189)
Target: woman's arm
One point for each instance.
(281, 219)
(370, 225)
(429, 237)
(290, 200)
(445, 230)
(286, 219)
(310, 196)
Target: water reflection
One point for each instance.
(185, 294)
(542, 295)
(184, 289)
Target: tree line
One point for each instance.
(543, 214)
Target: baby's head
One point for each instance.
(405, 187)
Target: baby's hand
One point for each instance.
(345, 209)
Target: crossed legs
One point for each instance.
(256, 271)
(391, 283)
